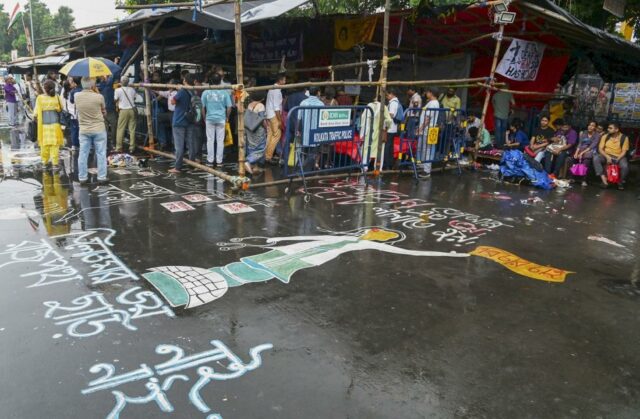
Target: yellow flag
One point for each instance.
(521, 266)
(351, 32)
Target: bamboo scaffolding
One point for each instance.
(443, 82)
(383, 87)
(330, 68)
(239, 96)
(163, 5)
(521, 92)
(147, 94)
(492, 76)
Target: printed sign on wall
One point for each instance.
(522, 60)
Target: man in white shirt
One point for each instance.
(429, 119)
(415, 100)
(125, 98)
(274, 116)
(394, 108)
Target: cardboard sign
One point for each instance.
(177, 206)
(522, 60)
(195, 198)
(236, 208)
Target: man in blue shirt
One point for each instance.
(217, 105)
(183, 129)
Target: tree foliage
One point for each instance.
(45, 25)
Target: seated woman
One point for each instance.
(516, 137)
(587, 145)
(255, 131)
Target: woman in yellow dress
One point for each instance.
(47, 114)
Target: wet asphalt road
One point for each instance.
(366, 334)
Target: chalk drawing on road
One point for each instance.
(160, 378)
(90, 314)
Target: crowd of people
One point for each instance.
(100, 112)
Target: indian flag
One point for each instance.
(14, 14)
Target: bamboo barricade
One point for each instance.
(522, 92)
(235, 181)
(443, 82)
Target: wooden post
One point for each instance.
(492, 75)
(240, 82)
(147, 95)
(383, 81)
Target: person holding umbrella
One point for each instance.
(91, 109)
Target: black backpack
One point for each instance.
(195, 110)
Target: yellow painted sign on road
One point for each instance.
(521, 266)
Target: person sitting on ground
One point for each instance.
(255, 131)
(47, 113)
(561, 147)
(516, 137)
(587, 146)
(484, 140)
(612, 149)
(540, 140)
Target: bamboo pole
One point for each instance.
(326, 68)
(147, 95)
(37, 57)
(239, 92)
(161, 5)
(522, 92)
(235, 181)
(383, 86)
(443, 82)
(492, 75)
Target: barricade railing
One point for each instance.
(331, 139)
(429, 136)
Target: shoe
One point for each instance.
(84, 183)
(174, 170)
(584, 183)
(424, 175)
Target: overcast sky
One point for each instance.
(88, 12)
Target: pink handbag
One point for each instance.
(579, 169)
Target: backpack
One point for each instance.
(195, 110)
(398, 118)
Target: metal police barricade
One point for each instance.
(327, 140)
(430, 136)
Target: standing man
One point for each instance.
(183, 129)
(125, 98)
(612, 149)
(274, 116)
(10, 96)
(106, 88)
(428, 120)
(91, 110)
(217, 106)
(415, 100)
(502, 103)
(394, 108)
(452, 101)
